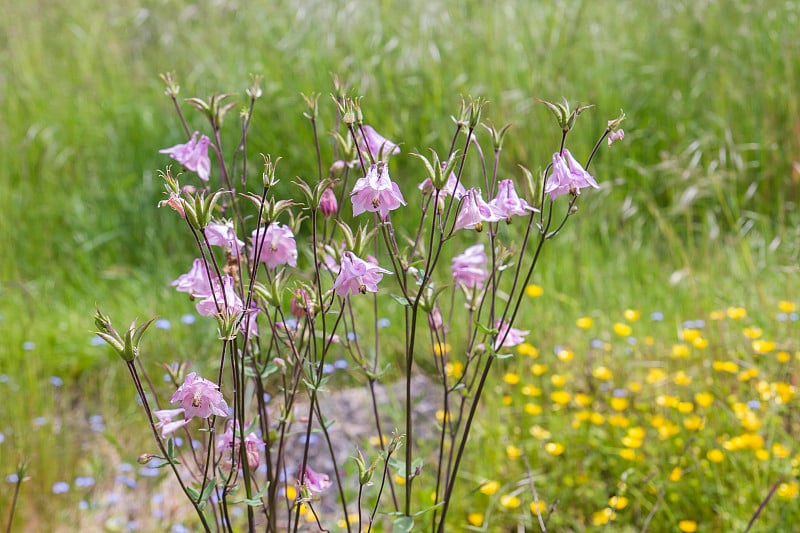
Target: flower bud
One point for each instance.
(327, 203)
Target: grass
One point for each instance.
(697, 211)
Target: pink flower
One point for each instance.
(435, 320)
(507, 203)
(174, 201)
(327, 203)
(474, 211)
(615, 136)
(228, 444)
(469, 268)
(223, 235)
(275, 245)
(192, 155)
(515, 336)
(315, 482)
(357, 276)
(453, 186)
(376, 192)
(165, 422)
(568, 176)
(223, 294)
(200, 397)
(379, 146)
(249, 323)
(195, 282)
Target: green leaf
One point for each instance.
(401, 300)
(403, 524)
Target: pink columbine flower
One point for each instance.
(474, 211)
(315, 482)
(453, 186)
(200, 397)
(615, 136)
(469, 268)
(568, 176)
(300, 305)
(357, 276)
(228, 444)
(224, 295)
(378, 145)
(507, 203)
(223, 234)
(376, 192)
(327, 203)
(195, 282)
(515, 336)
(165, 422)
(275, 244)
(192, 155)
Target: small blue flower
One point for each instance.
(351, 336)
(656, 316)
(126, 481)
(149, 472)
(267, 397)
(163, 323)
(597, 344)
(124, 467)
(56, 381)
(12, 478)
(4, 378)
(340, 364)
(188, 319)
(632, 340)
(83, 482)
(83, 505)
(60, 487)
(793, 317)
(2, 438)
(39, 421)
(619, 393)
(383, 323)
(754, 404)
(179, 528)
(28, 346)
(327, 368)
(782, 317)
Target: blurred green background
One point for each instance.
(697, 207)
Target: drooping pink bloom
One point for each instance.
(200, 397)
(507, 203)
(315, 482)
(469, 268)
(615, 136)
(275, 245)
(568, 176)
(357, 276)
(195, 282)
(515, 336)
(327, 203)
(174, 201)
(228, 443)
(435, 320)
(223, 294)
(379, 146)
(165, 422)
(453, 186)
(249, 323)
(474, 211)
(223, 234)
(192, 155)
(376, 192)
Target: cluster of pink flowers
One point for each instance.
(513, 336)
(197, 397)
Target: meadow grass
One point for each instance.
(696, 213)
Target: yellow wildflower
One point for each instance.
(618, 502)
(631, 315)
(533, 409)
(704, 399)
(602, 372)
(584, 322)
(561, 397)
(554, 448)
(788, 491)
(716, 455)
(558, 380)
(513, 452)
(736, 313)
(511, 378)
(489, 487)
(538, 370)
(475, 519)
(509, 501)
(786, 306)
(623, 330)
(687, 526)
(534, 291)
(680, 350)
(752, 332)
(603, 517)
